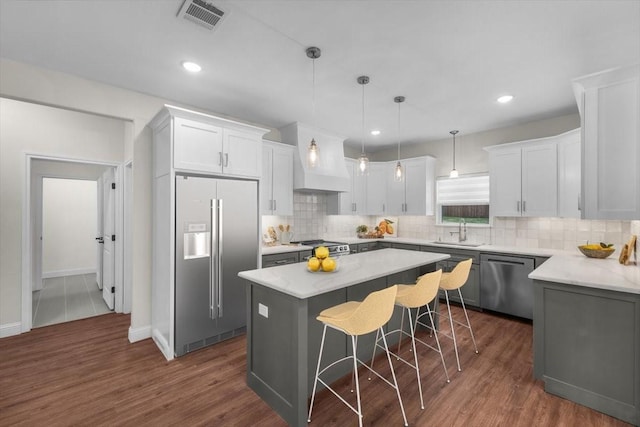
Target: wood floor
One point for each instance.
(87, 373)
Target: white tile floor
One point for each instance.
(63, 299)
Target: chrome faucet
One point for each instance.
(462, 231)
(462, 227)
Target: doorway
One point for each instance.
(70, 254)
(66, 221)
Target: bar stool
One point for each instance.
(412, 297)
(355, 319)
(454, 281)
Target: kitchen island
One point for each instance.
(283, 335)
(586, 333)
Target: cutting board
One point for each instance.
(394, 220)
(629, 251)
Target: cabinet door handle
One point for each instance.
(219, 158)
(383, 207)
(524, 206)
(579, 204)
(518, 206)
(226, 159)
(275, 205)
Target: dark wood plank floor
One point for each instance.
(87, 373)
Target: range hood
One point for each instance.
(330, 174)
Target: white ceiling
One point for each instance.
(451, 59)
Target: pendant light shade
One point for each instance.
(363, 160)
(312, 152)
(454, 171)
(398, 172)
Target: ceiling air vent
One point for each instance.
(202, 13)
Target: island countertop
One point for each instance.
(593, 273)
(297, 281)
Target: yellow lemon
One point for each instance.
(328, 264)
(322, 252)
(313, 264)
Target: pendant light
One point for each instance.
(363, 160)
(454, 171)
(312, 151)
(398, 174)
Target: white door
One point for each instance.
(99, 233)
(108, 249)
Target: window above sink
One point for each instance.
(464, 199)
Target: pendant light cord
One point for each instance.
(454, 150)
(313, 94)
(363, 118)
(399, 131)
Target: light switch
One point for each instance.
(263, 310)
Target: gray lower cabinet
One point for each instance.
(406, 246)
(366, 247)
(279, 259)
(587, 347)
(471, 289)
(283, 343)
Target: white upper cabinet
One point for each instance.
(352, 202)
(207, 144)
(609, 104)
(505, 171)
(524, 178)
(276, 191)
(540, 180)
(415, 194)
(197, 146)
(241, 153)
(377, 188)
(569, 193)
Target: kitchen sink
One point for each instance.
(470, 245)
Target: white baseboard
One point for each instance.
(9, 329)
(69, 272)
(162, 344)
(139, 334)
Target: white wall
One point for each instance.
(25, 82)
(69, 226)
(38, 129)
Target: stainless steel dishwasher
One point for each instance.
(505, 286)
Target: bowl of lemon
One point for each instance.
(597, 250)
(322, 262)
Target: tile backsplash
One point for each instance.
(310, 221)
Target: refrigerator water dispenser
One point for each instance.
(197, 241)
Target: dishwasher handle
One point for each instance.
(505, 261)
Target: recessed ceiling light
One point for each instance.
(191, 66)
(504, 99)
(375, 132)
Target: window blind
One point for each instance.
(467, 190)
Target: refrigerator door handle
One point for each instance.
(213, 260)
(219, 257)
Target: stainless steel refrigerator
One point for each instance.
(217, 236)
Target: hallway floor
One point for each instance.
(67, 298)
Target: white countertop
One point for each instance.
(268, 250)
(577, 269)
(297, 281)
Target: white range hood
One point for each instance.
(330, 174)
